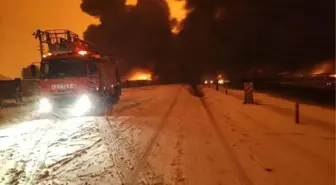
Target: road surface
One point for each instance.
(163, 135)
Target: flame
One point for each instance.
(318, 71)
(131, 2)
(327, 66)
(177, 11)
(332, 76)
(140, 75)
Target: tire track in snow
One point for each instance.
(29, 167)
(134, 175)
(288, 142)
(236, 165)
(121, 150)
(115, 152)
(128, 107)
(146, 100)
(43, 144)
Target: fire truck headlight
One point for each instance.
(221, 81)
(44, 106)
(206, 81)
(82, 105)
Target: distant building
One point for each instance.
(26, 73)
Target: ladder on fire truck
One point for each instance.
(60, 41)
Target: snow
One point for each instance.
(164, 135)
(298, 153)
(41, 149)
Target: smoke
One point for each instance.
(134, 35)
(240, 35)
(227, 35)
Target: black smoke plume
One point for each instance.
(137, 36)
(275, 35)
(229, 35)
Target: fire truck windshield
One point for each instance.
(59, 68)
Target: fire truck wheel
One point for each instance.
(116, 99)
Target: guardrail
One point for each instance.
(17, 89)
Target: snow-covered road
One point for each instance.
(162, 135)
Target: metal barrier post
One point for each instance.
(297, 113)
(248, 93)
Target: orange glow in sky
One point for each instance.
(18, 21)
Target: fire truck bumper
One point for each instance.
(74, 106)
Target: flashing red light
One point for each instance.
(96, 56)
(47, 55)
(82, 52)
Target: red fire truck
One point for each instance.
(72, 75)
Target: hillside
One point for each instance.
(4, 77)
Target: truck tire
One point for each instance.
(115, 99)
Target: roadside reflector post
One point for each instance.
(226, 88)
(248, 93)
(297, 112)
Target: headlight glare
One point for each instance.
(44, 106)
(82, 105)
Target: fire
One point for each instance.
(332, 76)
(318, 71)
(327, 66)
(131, 2)
(177, 11)
(140, 75)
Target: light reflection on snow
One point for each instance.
(11, 135)
(43, 144)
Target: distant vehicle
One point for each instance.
(220, 80)
(72, 75)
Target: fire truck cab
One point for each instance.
(72, 76)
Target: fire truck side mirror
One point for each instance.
(33, 70)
